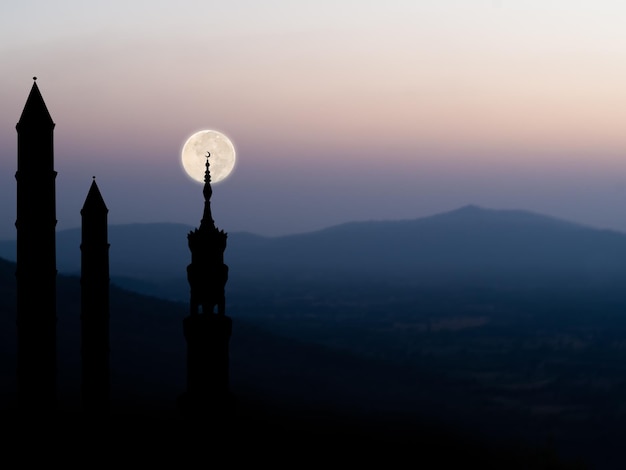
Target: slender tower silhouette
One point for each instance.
(36, 258)
(206, 330)
(94, 283)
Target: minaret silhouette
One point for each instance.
(207, 332)
(94, 282)
(36, 259)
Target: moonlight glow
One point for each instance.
(221, 161)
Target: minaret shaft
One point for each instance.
(36, 259)
(94, 281)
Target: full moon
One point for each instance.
(221, 159)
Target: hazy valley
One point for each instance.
(502, 322)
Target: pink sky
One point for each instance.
(339, 111)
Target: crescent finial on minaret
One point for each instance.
(207, 173)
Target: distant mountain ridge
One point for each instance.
(469, 241)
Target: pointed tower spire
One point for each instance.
(94, 202)
(35, 110)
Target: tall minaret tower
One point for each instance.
(94, 282)
(36, 258)
(207, 328)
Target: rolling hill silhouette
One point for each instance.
(470, 243)
(467, 240)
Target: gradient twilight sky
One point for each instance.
(339, 110)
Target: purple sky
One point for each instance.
(339, 111)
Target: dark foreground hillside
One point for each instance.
(260, 435)
(296, 402)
